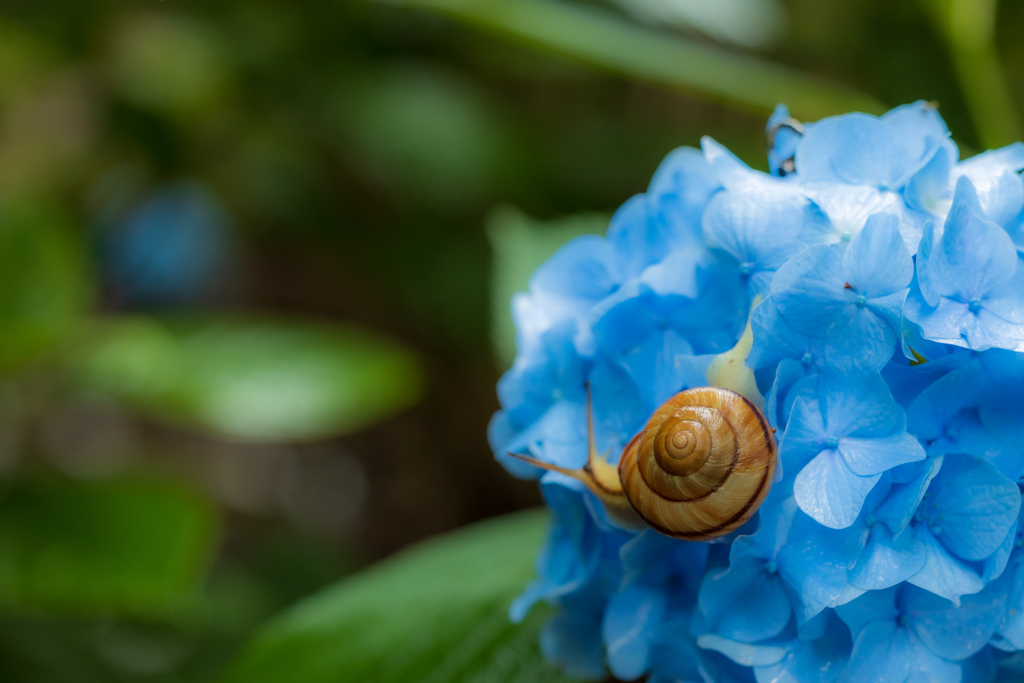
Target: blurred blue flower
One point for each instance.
(172, 248)
(887, 319)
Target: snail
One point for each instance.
(699, 469)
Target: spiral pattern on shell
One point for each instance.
(702, 466)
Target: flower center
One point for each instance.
(746, 268)
(903, 620)
(974, 305)
(861, 301)
(807, 358)
(832, 443)
(771, 567)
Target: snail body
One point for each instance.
(699, 469)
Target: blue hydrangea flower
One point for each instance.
(969, 292)
(878, 276)
(843, 442)
(907, 634)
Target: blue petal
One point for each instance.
(584, 270)
(548, 372)
(745, 654)
(949, 631)
(847, 208)
(917, 125)
(570, 554)
(793, 381)
(995, 563)
(942, 573)
(775, 340)
(829, 492)
(974, 506)
(881, 654)
(681, 188)
(877, 263)
(660, 369)
(931, 411)
(973, 256)
(928, 189)
(720, 669)
(768, 263)
(620, 410)
(927, 262)
(748, 223)
(927, 667)
(745, 602)
(714, 321)
(1007, 304)
(1011, 627)
(866, 457)
(809, 290)
(855, 148)
(873, 606)
(674, 654)
(952, 322)
(677, 195)
(676, 274)
(628, 628)
(814, 569)
(624, 320)
(573, 641)
(558, 437)
(804, 436)
(994, 175)
(981, 667)
(776, 520)
(817, 661)
(857, 403)
(868, 334)
(903, 499)
(637, 238)
(887, 561)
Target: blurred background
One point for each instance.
(256, 259)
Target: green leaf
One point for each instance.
(68, 547)
(602, 39)
(251, 378)
(520, 244)
(47, 286)
(436, 613)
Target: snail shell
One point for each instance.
(702, 466)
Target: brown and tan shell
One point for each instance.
(702, 466)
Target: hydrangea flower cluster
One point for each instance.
(882, 280)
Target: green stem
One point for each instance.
(969, 29)
(602, 39)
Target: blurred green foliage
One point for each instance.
(47, 283)
(252, 379)
(437, 612)
(115, 547)
(176, 470)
